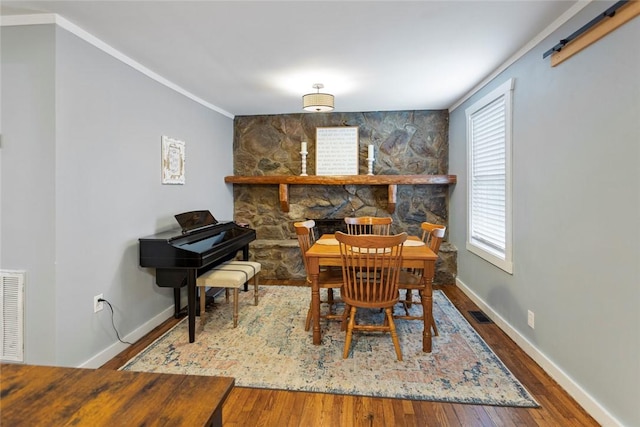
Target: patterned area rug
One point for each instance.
(270, 349)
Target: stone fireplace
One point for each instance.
(407, 143)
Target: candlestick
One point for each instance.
(370, 167)
(370, 160)
(303, 160)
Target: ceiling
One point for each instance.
(260, 57)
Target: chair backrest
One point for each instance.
(306, 238)
(370, 268)
(432, 235)
(369, 225)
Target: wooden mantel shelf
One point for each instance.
(283, 181)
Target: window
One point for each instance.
(489, 175)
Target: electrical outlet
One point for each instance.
(531, 319)
(97, 305)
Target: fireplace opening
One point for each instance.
(330, 226)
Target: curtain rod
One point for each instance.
(609, 13)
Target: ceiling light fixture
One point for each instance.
(317, 102)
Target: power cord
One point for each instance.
(112, 323)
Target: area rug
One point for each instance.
(270, 349)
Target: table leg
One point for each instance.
(314, 271)
(427, 304)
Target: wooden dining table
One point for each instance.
(325, 252)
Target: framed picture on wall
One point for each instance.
(337, 150)
(173, 160)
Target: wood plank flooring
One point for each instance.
(257, 407)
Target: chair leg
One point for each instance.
(330, 299)
(255, 289)
(307, 323)
(432, 321)
(235, 307)
(347, 341)
(406, 308)
(433, 325)
(406, 302)
(203, 301)
(394, 334)
(345, 317)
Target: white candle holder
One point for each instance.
(370, 162)
(303, 160)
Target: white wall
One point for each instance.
(576, 211)
(82, 131)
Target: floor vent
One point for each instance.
(12, 315)
(480, 317)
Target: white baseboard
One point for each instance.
(117, 347)
(600, 414)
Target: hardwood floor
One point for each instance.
(257, 407)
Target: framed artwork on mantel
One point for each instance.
(173, 160)
(337, 150)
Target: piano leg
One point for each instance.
(191, 302)
(176, 303)
(245, 257)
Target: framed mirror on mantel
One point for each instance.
(283, 181)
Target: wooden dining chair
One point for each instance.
(432, 235)
(369, 225)
(328, 279)
(370, 269)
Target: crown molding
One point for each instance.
(562, 19)
(50, 18)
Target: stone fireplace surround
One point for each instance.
(407, 143)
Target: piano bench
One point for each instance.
(229, 275)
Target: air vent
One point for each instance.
(480, 317)
(12, 315)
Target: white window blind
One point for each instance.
(488, 180)
(489, 141)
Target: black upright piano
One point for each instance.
(183, 253)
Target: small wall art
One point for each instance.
(173, 160)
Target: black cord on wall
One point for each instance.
(112, 322)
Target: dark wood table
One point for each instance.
(323, 255)
(53, 396)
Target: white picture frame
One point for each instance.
(337, 150)
(173, 161)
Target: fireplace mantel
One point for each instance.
(283, 181)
